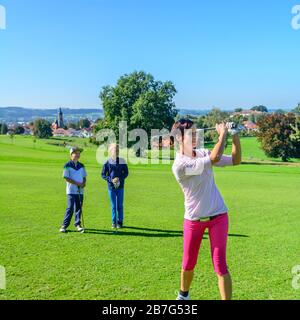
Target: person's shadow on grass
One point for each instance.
(150, 232)
(155, 233)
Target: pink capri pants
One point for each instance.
(192, 238)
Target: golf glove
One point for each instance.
(116, 183)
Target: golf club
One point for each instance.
(229, 125)
(80, 203)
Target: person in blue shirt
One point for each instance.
(115, 171)
(75, 175)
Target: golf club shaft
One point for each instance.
(206, 129)
(79, 195)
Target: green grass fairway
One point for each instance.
(142, 261)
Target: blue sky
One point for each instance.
(234, 53)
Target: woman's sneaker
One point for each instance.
(181, 297)
(62, 229)
(113, 226)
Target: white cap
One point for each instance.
(74, 149)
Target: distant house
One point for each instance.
(74, 133)
(250, 126)
(87, 133)
(60, 133)
(247, 113)
(28, 131)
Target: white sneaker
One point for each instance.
(181, 297)
(80, 229)
(63, 230)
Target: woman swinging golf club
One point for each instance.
(204, 206)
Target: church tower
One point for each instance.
(60, 119)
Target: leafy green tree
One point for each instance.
(295, 136)
(209, 121)
(238, 109)
(200, 122)
(141, 101)
(216, 116)
(297, 109)
(19, 130)
(279, 111)
(42, 129)
(72, 125)
(276, 136)
(252, 118)
(3, 128)
(260, 108)
(84, 123)
(238, 119)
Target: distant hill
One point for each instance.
(20, 114)
(193, 112)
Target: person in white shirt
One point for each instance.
(204, 205)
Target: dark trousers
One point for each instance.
(74, 201)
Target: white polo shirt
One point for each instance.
(75, 172)
(196, 178)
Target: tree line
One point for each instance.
(146, 103)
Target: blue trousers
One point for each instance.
(116, 197)
(73, 205)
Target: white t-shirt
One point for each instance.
(75, 172)
(195, 176)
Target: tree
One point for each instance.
(200, 122)
(209, 121)
(42, 129)
(237, 119)
(19, 130)
(141, 101)
(238, 110)
(296, 127)
(297, 109)
(72, 125)
(216, 116)
(275, 134)
(260, 108)
(279, 111)
(252, 118)
(84, 123)
(3, 128)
